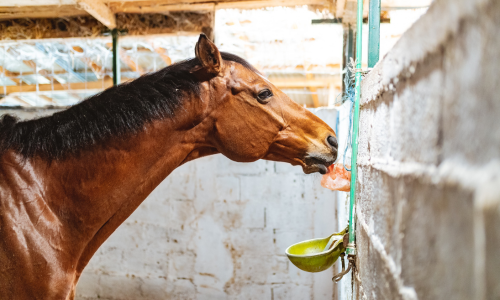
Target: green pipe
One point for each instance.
(374, 33)
(116, 58)
(351, 247)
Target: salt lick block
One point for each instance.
(337, 178)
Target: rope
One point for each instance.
(339, 276)
(350, 92)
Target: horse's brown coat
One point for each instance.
(55, 215)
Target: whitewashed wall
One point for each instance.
(216, 229)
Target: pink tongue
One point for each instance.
(337, 178)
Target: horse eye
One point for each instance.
(264, 94)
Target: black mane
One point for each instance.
(117, 111)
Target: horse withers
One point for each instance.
(67, 181)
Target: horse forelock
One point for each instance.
(115, 112)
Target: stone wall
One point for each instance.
(428, 204)
(216, 229)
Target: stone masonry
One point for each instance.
(428, 204)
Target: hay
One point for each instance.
(142, 24)
(87, 26)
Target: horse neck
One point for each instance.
(105, 184)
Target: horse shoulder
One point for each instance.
(28, 250)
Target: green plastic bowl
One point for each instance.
(310, 257)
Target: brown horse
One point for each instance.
(69, 180)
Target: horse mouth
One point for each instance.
(319, 164)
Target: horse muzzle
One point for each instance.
(320, 161)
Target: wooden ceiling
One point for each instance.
(105, 10)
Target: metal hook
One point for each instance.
(339, 276)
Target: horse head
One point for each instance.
(252, 119)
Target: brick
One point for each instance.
(253, 292)
(121, 287)
(226, 166)
(181, 264)
(488, 214)
(471, 127)
(282, 167)
(88, 286)
(291, 292)
(212, 255)
(218, 188)
(288, 187)
(285, 238)
(415, 129)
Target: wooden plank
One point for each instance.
(159, 7)
(60, 87)
(163, 54)
(313, 90)
(303, 83)
(104, 13)
(96, 69)
(24, 103)
(130, 62)
(100, 11)
(41, 72)
(108, 82)
(397, 4)
(340, 7)
(41, 12)
(9, 74)
(162, 6)
(267, 3)
(48, 99)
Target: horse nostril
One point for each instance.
(332, 141)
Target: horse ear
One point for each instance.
(209, 56)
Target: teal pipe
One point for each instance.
(351, 247)
(374, 33)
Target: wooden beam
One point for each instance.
(340, 7)
(404, 4)
(40, 72)
(88, 26)
(48, 99)
(100, 11)
(313, 90)
(61, 87)
(89, 62)
(9, 74)
(350, 12)
(169, 5)
(105, 13)
(268, 3)
(158, 7)
(96, 85)
(24, 103)
(130, 62)
(19, 12)
(163, 54)
(302, 83)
